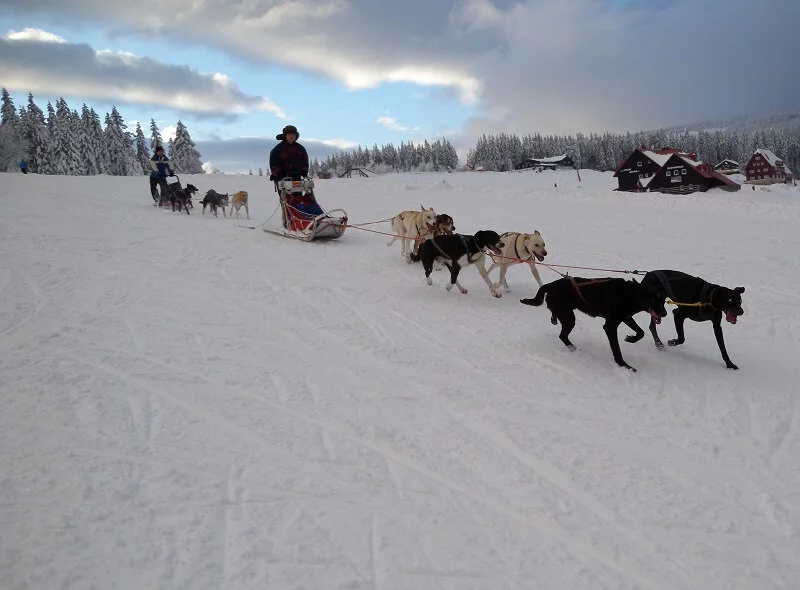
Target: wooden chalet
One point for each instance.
(728, 166)
(683, 175)
(562, 161)
(634, 173)
(765, 167)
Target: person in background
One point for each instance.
(160, 168)
(23, 165)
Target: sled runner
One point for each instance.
(303, 218)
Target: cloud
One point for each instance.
(526, 65)
(40, 62)
(391, 123)
(360, 43)
(245, 153)
(590, 65)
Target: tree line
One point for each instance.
(408, 157)
(78, 144)
(606, 151)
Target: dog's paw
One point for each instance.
(496, 294)
(429, 281)
(674, 342)
(572, 347)
(660, 346)
(633, 338)
(732, 366)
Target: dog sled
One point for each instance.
(164, 198)
(303, 218)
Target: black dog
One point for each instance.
(616, 300)
(457, 251)
(182, 197)
(214, 200)
(714, 299)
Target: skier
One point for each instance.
(23, 165)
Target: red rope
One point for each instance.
(493, 256)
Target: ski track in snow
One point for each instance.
(194, 404)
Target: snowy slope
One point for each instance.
(188, 403)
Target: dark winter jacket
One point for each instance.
(288, 159)
(23, 164)
(161, 166)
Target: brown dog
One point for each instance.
(239, 200)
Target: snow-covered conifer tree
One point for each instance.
(183, 153)
(155, 136)
(142, 153)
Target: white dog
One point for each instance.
(518, 248)
(412, 226)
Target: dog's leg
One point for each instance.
(427, 264)
(654, 332)
(454, 270)
(186, 206)
(247, 209)
(567, 319)
(639, 333)
(482, 271)
(679, 316)
(535, 272)
(717, 322)
(613, 339)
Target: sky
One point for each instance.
(361, 72)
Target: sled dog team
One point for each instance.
(181, 199)
(431, 238)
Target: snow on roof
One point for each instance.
(552, 159)
(769, 156)
(772, 159)
(729, 160)
(659, 159)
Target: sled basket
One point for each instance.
(303, 217)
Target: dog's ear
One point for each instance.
(536, 232)
(634, 280)
(739, 290)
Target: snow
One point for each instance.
(659, 159)
(188, 403)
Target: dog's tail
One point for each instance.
(539, 299)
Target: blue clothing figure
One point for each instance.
(23, 165)
(160, 168)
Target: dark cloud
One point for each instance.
(532, 65)
(40, 62)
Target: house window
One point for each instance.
(669, 172)
(683, 171)
(641, 176)
(639, 163)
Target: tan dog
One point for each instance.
(414, 227)
(239, 200)
(519, 247)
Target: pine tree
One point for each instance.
(155, 136)
(142, 153)
(68, 158)
(183, 153)
(12, 142)
(121, 157)
(261, 172)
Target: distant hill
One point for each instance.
(776, 120)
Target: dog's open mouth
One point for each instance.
(655, 316)
(539, 257)
(731, 317)
(430, 227)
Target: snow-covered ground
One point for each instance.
(188, 403)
